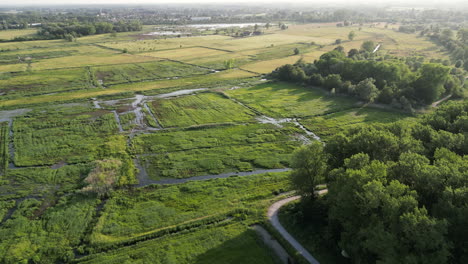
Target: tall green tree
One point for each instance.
(366, 90)
(430, 84)
(368, 46)
(309, 166)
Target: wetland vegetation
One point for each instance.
(120, 145)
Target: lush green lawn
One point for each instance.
(199, 109)
(289, 100)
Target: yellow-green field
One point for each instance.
(13, 33)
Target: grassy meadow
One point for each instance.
(200, 109)
(282, 100)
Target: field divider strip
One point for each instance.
(205, 47)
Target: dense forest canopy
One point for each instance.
(402, 83)
(397, 192)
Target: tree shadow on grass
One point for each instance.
(244, 248)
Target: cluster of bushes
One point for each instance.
(397, 192)
(73, 30)
(388, 81)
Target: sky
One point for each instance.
(297, 2)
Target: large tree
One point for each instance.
(309, 165)
(430, 84)
(366, 90)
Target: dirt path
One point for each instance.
(274, 220)
(435, 104)
(272, 243)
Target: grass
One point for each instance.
(187, 153)
(185, 54)
(134, 213)
(65, 134)
(329, 125)
(26, 84)
(230, 243)
(41, 181)
(127, 120)
(125, 73)
(4, 140)
(89, 60)
(45, 229)
(197, 81)
(13, 33)
(170, 141)
(199, 109)
(218, 160)
(268, 66)
(289, 100)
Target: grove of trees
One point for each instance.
(401, 83)
(67, 30)
(397, 193)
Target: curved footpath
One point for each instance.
(274, 220)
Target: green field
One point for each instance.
(328, 125)
(171, 141)
(182, 154)
(289, 100)
(136, 213)
(71, 134)
(27, 84)
(200, 109)
(12, 33)
(229, 243)
(125, 73)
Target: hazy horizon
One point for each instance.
(422, 3)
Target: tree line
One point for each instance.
(397, 193)
(67, 30)
(402, 83)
